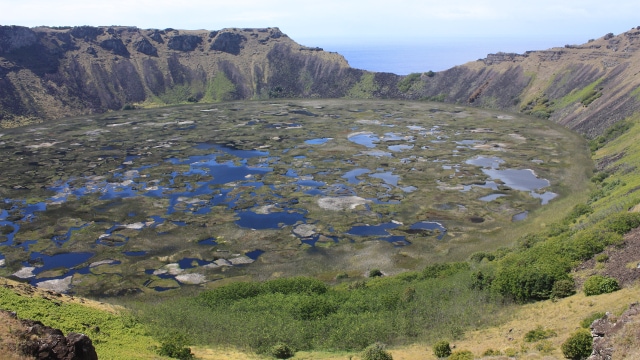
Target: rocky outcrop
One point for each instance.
(144, 46)
(604, 329)
(501, 57)
(184, 42)
(115, 46)
(15, 37)
(46, 343)
(228, 42)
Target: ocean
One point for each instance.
(434, 55)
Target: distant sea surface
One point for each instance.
(436, 55)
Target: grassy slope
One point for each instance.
(115, 334)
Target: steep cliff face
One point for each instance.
(585, 87)
(48, 73)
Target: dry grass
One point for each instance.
(9, 338)
(627, 342)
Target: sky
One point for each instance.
(328, 23)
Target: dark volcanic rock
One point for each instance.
(156, 35)
(15, 37)
(88, 33)
(44, 342)
(116, 46)
(228, 42)
(144, 46)
(184, 42)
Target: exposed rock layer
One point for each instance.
(607, 327)
(48, 73)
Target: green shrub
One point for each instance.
(230, 293)
(545, 347)
(408, 276)
(441, 349)
(282, 351)
(622, 223)
(602, 258)
(577, 211)
(598, 284)
(492, 352)
(443, 270)
(407, 82)
(563, 288)
(599, 177)
(537, 334)
(586, 322)
(611, 133)
(357, 285)
(481, 280)
(510, 352)
(590, 97)
(527, 241)
(173, 346)
(461, 355)
(295, 285)
(375, 273)
(312, 307)
(557, 229)
(578, 346)
(531, 274)
(376, 352)
(584, 244)
(481, 255)
(542, 114)
(408, 294)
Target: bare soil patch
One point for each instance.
(622, 263)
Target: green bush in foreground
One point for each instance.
(174, 346)
(282, 351)
(545, 347)
(175, 351)
(538, 334)
(375, 273)
(441, 349)
(562, 289)
(376, 352)
(492, 352)
(578, 346)
(598, 284)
